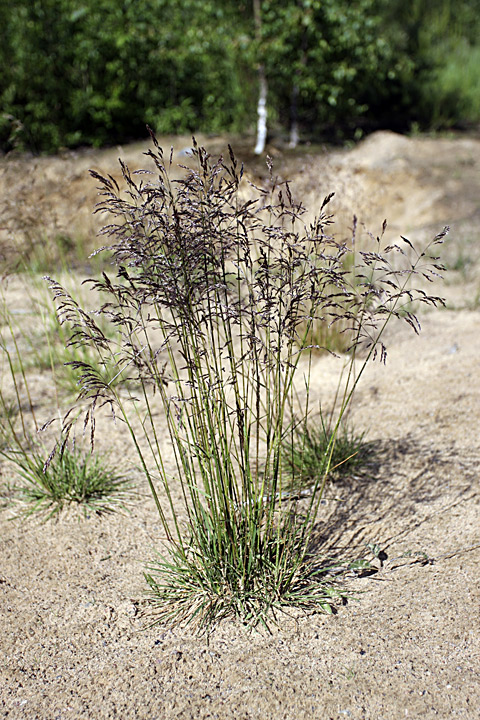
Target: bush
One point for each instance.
(95, 73)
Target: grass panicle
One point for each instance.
(215, 289)
(50, 348)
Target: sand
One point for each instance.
(73, 635)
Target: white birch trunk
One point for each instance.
(262, 84)
(294, 119)
(261, 112)
(294, 137)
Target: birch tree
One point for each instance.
(262, 84)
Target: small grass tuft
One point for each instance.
(71, 479)
(313, 449)
(50, 480)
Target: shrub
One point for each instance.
(217, 286)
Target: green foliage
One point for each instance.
(97, 71)
(441, 40)
(452, 97)
(312, 450)
(331, 53)
(88, 72)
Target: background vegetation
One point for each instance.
(96, 71)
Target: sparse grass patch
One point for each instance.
(59, 252)
(50, 349)
(331, 329)
(33, 237)
(43, 342)
(50, 480)
(71, 479)
(313, 449)
(461, 253)
(463, 262)
(38, 251)
(324, 336)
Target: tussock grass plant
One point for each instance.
(49, 480)
(69, 479)
(215, 293)
(313, 449)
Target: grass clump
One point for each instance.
(71, 479)
(49, 480)
(216, 287)
(315, 450)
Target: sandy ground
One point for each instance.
(73, 642)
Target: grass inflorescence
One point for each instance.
(216, 289)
